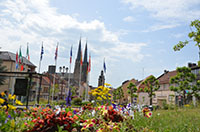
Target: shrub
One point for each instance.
(76, 101)
(165, 106)
(85, 103)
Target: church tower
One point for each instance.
(85, 65)
(101, 79)
(77, 64)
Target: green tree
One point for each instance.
(2, 69)
(151, 85)
(115, 94)
(194, 35)
(132, 89)
(120, 93)
(183, 81)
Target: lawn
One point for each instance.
(180, 120)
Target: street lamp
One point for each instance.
(63, 70)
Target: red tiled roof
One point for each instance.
(165, 77)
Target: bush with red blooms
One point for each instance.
(87, 107)
(48, 121)
(113, 116)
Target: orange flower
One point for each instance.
(69, 113)
(110, 107)
(75, 117)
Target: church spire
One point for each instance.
(79, 51)
(85, 54)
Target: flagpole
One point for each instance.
(54, 81)
(87, 79)
(69, 71)
(40, 62)
(86, 91)
(104, 69)
(80, 79)
(69, 77)
(56, 55)
(38, 80)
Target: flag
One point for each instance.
(89, 65)
(71, 55)
(16, 61)
(20, 56)
(27, 53)
(81, 59)
(56, 53)
(21, 60)
(22, 67)
(104, 66)
(42, 52)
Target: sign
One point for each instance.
(21, 87)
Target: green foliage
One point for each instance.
(56, 89)
(73, 90)
(76, 101)
(182, 120)
(131, 91)
(183, 81)
(115, 93)
(120, 93)
(151, 85)
(194, 35)
(85, 103)
(2, 69)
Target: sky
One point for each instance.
(136, 37)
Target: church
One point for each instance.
(77, 80)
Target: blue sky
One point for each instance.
(136, 37)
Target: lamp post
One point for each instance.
(63, 70)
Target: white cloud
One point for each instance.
(168, 10)
(178, 35)
(36, 21)
(128, 19)
(157, 27)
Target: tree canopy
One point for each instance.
(151, 85)
(183, 81)
(194, 35)
(131, 91)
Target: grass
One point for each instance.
(181, 120)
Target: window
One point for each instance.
(45, 90)
(170, 98)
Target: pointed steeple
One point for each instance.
(79, 51)
(85, 54)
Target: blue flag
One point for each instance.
(104, 66)
(42, 52)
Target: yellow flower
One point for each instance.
(18, 102)
(2, 94)
(106, 84)
(11, 107)
(104, 97)
(10, 97)
(94, 93)
(2, 101)
(99, 98)
(13, 97)
(4, 107)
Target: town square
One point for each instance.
(99, 66)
